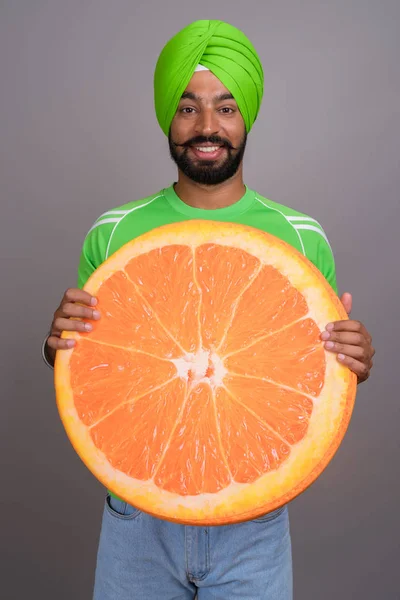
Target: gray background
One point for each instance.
(78, 136)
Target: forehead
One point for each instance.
(206, 84)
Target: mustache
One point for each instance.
(201, 139)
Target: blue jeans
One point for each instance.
(144, 558)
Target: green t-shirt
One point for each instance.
(118, 226)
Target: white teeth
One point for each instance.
(208, 149)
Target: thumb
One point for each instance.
(347, 301)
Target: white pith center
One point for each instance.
(204, 366)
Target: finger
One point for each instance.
(359, 368)
(344, 337)
(357, 352)
(347, 301)
(76, 310)
(77, 295)
(62, 324)
(349, 325)
(60, 344)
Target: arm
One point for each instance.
(70, 307)
(91, 256)
(352, 343)
(349, 339)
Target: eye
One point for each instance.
(226, 110)
(187, 110)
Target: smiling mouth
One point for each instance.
(207, 152)
(207, 148)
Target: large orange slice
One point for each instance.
(204, 393)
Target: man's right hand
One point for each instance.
(75, 303)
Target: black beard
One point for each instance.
(207, 172)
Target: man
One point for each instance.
(208, 89)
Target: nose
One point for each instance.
(207, 122)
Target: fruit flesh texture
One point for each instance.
(198, 384)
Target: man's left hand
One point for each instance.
(351, 341)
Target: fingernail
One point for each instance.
(341, 356)
(329, 345)
(326, 335)
(93, 301)
(88, 327)
(70, 343)
(330, 326)
(96, 314)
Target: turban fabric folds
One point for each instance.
(225, 51)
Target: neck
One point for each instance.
(202, 196)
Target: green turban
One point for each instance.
(225, 51)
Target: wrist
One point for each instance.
(48, 354)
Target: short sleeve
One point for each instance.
(93, 252)
(319, 252)
(326, 263)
